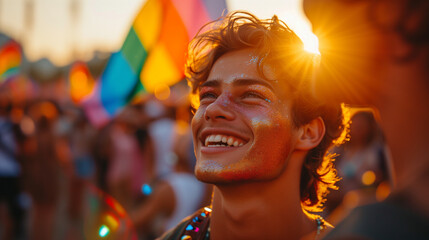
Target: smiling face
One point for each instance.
(243, 127)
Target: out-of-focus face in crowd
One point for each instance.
(356, 39)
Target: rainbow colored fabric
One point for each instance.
(153, 54)
(10, 60)
(81, 82)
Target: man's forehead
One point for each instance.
(242, 63)
(243, 57)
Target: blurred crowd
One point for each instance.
(54, 164)
(64, 177)
(361, 164)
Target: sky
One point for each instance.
(55, 32)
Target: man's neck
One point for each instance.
(260, 210)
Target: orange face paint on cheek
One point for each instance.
(268, 152)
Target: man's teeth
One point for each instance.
(222, 141)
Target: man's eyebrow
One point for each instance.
(211, 83)
(251, 81)
(238, 82)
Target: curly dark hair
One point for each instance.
(411, 22)
(279, 46)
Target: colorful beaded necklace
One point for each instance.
(198, 227)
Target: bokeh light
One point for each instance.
(162, 92)
(106, 218)
(48, 110)
(81, 82)
(383, 191)
(146, 189)
(27, 125)
(368, 178)
(104, 231)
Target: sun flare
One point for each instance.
(311, 43)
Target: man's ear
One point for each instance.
(310, 134)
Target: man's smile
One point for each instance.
(214, 139)
(219, 140)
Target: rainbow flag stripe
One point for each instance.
(10, 60)
(153, 54)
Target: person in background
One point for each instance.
(364, 152)
(43, 173)
(376, 53)
(75, 137)
(129, 166)
(161, 131)
(11, 211)
(361, 165)
(175, 195)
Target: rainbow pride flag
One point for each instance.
(152, 56)
(10, 60)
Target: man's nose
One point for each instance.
(220, 109)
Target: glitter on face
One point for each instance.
(225, 101)
(257, 122)
(253, 59)
(253, 111)
(210, 166)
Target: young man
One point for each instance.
(376, 53)
(259, 136)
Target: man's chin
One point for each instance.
(210, 177)
(232, 177)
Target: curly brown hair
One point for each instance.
(411, 23)
(279, 46)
